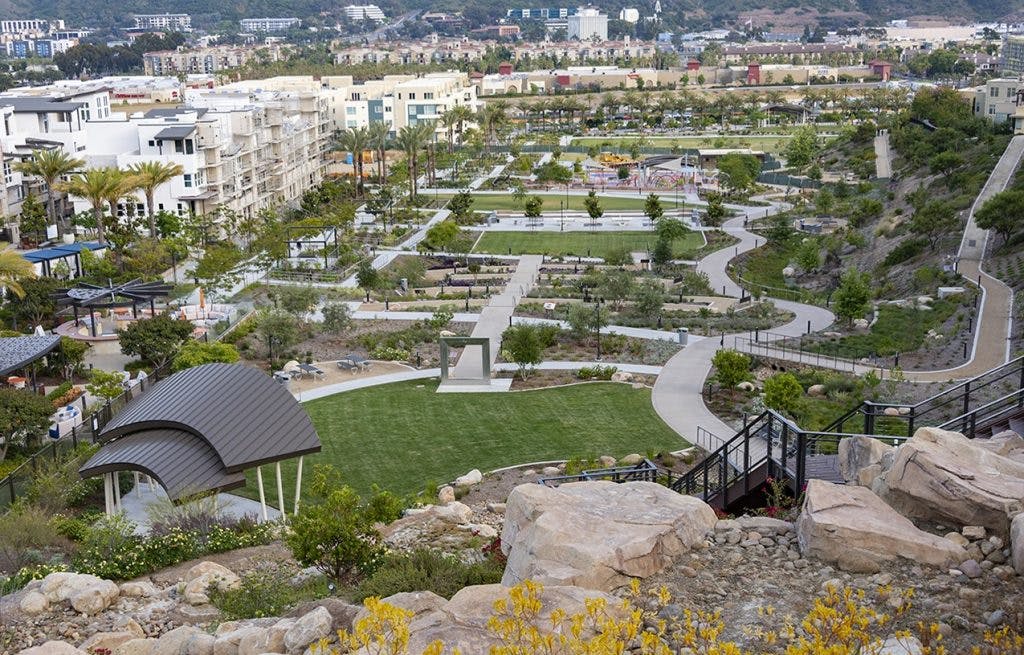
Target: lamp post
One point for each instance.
(561, 211)
(597, 323)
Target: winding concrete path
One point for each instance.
(677, 394)
(883, 159)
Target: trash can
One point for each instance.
(684, 335)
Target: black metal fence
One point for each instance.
(17, 481)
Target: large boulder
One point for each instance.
(95, 598)
(184, 640)
(34, 603)
(854, 529)
(53, 648)
(309, 628)
(944, 477)
(204, 575)
(860, 459)
(1017, 543)
(61, 586)
(598, 535)
(462, 622)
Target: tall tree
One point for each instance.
(379, 134)
(94, 185)
(411, 140)
(355, 140)
(151, 175)
(50, 166)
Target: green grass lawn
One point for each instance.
(598, 244)
(402, 437)
(505, 202)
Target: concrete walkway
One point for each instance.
(385, 257)
(496, 316)
(883, 158)
(677, 395)
(140, 501)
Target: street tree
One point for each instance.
(933, 220)
(782, 392)
(337, 317)
(739, 171)
(533, 207)
(716, 209)
(51, 166)
(731, 367)
(33, 218)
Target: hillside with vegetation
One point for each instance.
(681, 13)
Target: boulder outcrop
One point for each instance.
(943, 476)
(854, 529)
(861, 459)
(598, 535)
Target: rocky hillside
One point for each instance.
(930, 531)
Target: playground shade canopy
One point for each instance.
(199, 430)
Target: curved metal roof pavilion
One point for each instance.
(199, 430)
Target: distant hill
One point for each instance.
(204, 13)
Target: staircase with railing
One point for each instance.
(772, 446)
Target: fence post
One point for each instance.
(801, 461)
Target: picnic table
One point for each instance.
(309, 369)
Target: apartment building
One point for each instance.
(1013, 54)
(178, 22)
(268, 24)
(588, 25)
(364, 12)
(206, 60)
(31, 26)
(797, 53)
(998, 100)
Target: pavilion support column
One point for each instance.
(138, 489)
(107, 495)
(263, 498)
(116, 483)
(298, 486)
(280, 493)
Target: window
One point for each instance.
(428, 96)
(350, 111)
(188, 180)
(412, 96)
(152, 143)
(992, 109)
(189, 147)
(994, 91)
(179, 146)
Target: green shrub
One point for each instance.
(25, 533)
(390, 354)
(906, 250)
(596, 372)
(427, 570)
(266, 591)
(548, 334)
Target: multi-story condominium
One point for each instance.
(205, 60)
(32, 26)
(588, 25)
(998, 100)
(364, 12)
(541, 13)
(1013, 54)
(797, 53)
(181, 22)
(268, 24)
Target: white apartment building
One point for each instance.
(587, 25)
(182, 22)
(207, 60)
(268, 24)
(998, 99)
(364, 12)
(31, 26)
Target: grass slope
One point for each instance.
(579, 243)
(402, 436)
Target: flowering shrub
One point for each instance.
(390, 354)
(842, 622)
(112, 550)
(27, 574)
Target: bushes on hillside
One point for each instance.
(428, 570)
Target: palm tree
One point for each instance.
(449, 120)
(494, 115)
(14, 267)
(379, 133)
(94, 186)
(355, 140)
(460, 114)
(150, 175)
(50, 166)
(411, 140)
(428, 133)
